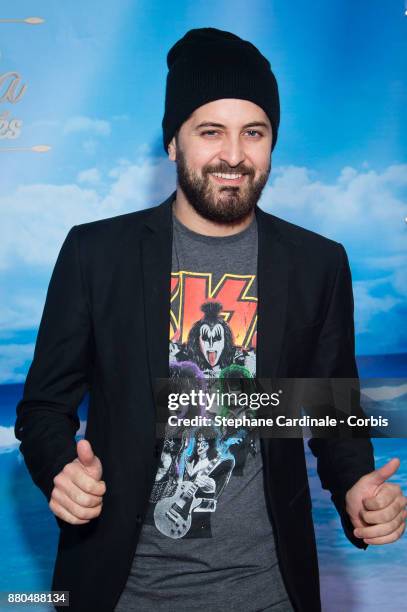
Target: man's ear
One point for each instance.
(172, 150)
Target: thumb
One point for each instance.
(88, 459)
(379, 476)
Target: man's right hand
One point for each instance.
(77, 496)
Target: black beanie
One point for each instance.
(209, 64)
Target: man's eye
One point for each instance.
(209, 132)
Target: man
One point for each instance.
(119, 284)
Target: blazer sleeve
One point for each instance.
(59, 375)
(343, 459)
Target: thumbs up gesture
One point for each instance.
(77, 496)
(377, 508)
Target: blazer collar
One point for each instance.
(274, 268)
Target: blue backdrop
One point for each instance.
(81, 102)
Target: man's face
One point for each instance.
(235, 140)
(202, 446)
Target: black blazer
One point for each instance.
(105, 329)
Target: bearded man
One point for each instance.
(117, 288)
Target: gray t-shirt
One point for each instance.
(221, 554)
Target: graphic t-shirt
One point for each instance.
(207, 541)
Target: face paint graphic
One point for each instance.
(212, 342)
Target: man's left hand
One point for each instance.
(377, 508)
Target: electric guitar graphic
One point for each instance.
(173, 515)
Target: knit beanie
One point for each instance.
(209, 64)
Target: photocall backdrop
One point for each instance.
(81, 103)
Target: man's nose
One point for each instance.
(232, 151)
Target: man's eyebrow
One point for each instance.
(220, 125)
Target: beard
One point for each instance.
(216, 202)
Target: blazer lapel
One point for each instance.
(274, 268)
(156, 253)
(273, 271)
